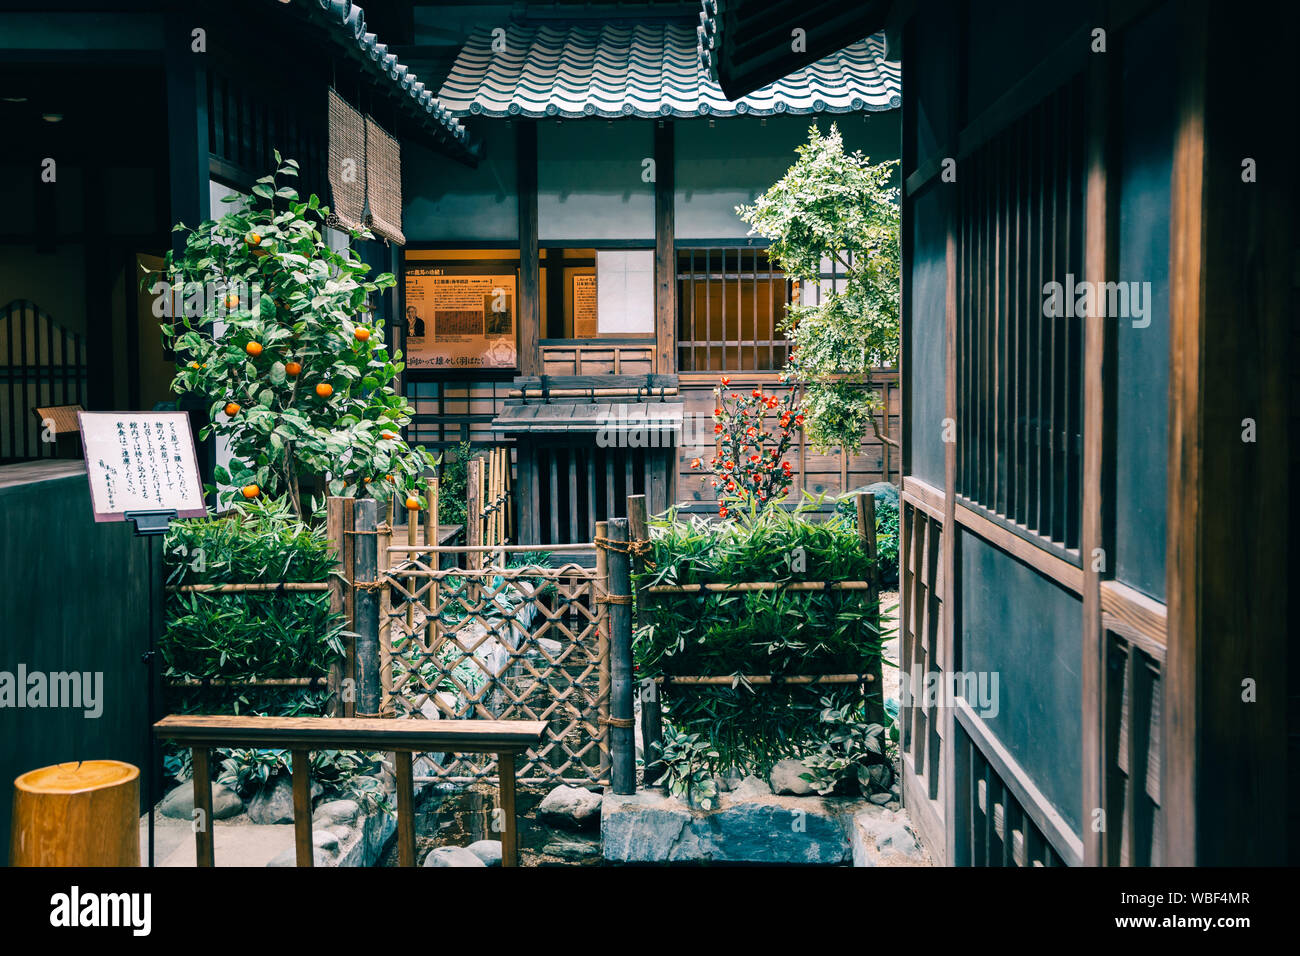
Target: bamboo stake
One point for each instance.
(237, 682)
(730, 679)
(431, 538)
(241, 588)
(600, 588)
(762, 586)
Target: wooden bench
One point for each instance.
(301, 735)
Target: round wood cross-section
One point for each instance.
(77, 814)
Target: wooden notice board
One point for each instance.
(141, 461)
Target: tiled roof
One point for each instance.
(646, 70)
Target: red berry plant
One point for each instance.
(754, 432)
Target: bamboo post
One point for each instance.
(431, 539)
(77, 814)
(652, 728)
(621, 733)
(511, 533)
(366, 546)
(334, 532)
(866, 507)
(602, 648)
(347, 562)
(473, 523)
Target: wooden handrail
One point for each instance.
(403, 738)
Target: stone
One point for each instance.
(336, 812)
(325, 840)
(179, 804)
(785, 777)
(729, 780)
(881, 838)
(570, 807)
(575, 850)
(750, 787)
(880, 799)
(290, 858)
(274, 803)
(650, 827)
(452, 856)
(880, 776)
(489, 851)
(893, 805)
(341, 833)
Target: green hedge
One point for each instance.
(776, 632)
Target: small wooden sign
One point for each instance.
(141, 461)
(584, 307)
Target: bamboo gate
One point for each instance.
(487, 630)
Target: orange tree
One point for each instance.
(274, 327)
(750, 466)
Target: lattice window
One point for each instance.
(1019, 371)
(730, 303)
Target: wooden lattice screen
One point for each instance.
(41, 364)
(1019, 369)
(504, 643)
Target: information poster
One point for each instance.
(584, 307)
(459, 321)
(141, 461)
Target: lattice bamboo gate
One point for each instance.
(494, 632)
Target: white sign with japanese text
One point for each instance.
(141, 461)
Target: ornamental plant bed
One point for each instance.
(771, 595)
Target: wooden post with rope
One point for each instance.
(622, 735)
(602, 647)
(365, 536)
(866, 508)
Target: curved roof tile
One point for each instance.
(647, 70)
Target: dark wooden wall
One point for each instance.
(75, 596)
(1127, 626)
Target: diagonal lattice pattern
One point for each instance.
(518, 643)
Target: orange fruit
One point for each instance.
(324, 389)
(412, 503)
(292, 369)
(367, 481)
(362, 334)
(253, 348)
(253, 239)
(388, 435)
(232, 301)
(195, 365)
(251, 491)
(232, 409)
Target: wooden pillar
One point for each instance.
(530, 297)
(506, 796)
(302, 775)
(204, 839)
(665, 256)
(334, 533)
(405, 808)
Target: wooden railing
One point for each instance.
(403, 738)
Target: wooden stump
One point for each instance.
(77, 814)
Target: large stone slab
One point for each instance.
(650, 827)
(881, 837)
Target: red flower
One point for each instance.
(785, 421)
(785, 465)
(714, 483)
(717, 429)
(722, 511)
(695, 463)
(753, 458)
(798, 419)
(751, 431)
(717, 412)
(728, 465)
(757, 393)
(725, 381)
(731, 486)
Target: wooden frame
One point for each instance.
(305, 734)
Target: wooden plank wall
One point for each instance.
(817, 473)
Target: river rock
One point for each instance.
(650, 827)
(290, 858)
(179, 804)
(489, 851)
(575, 850)
(274, 803)
(452, 856)
(880, 837)
(334, 812)
(785, 777)
(571, 807)
(750, 787)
